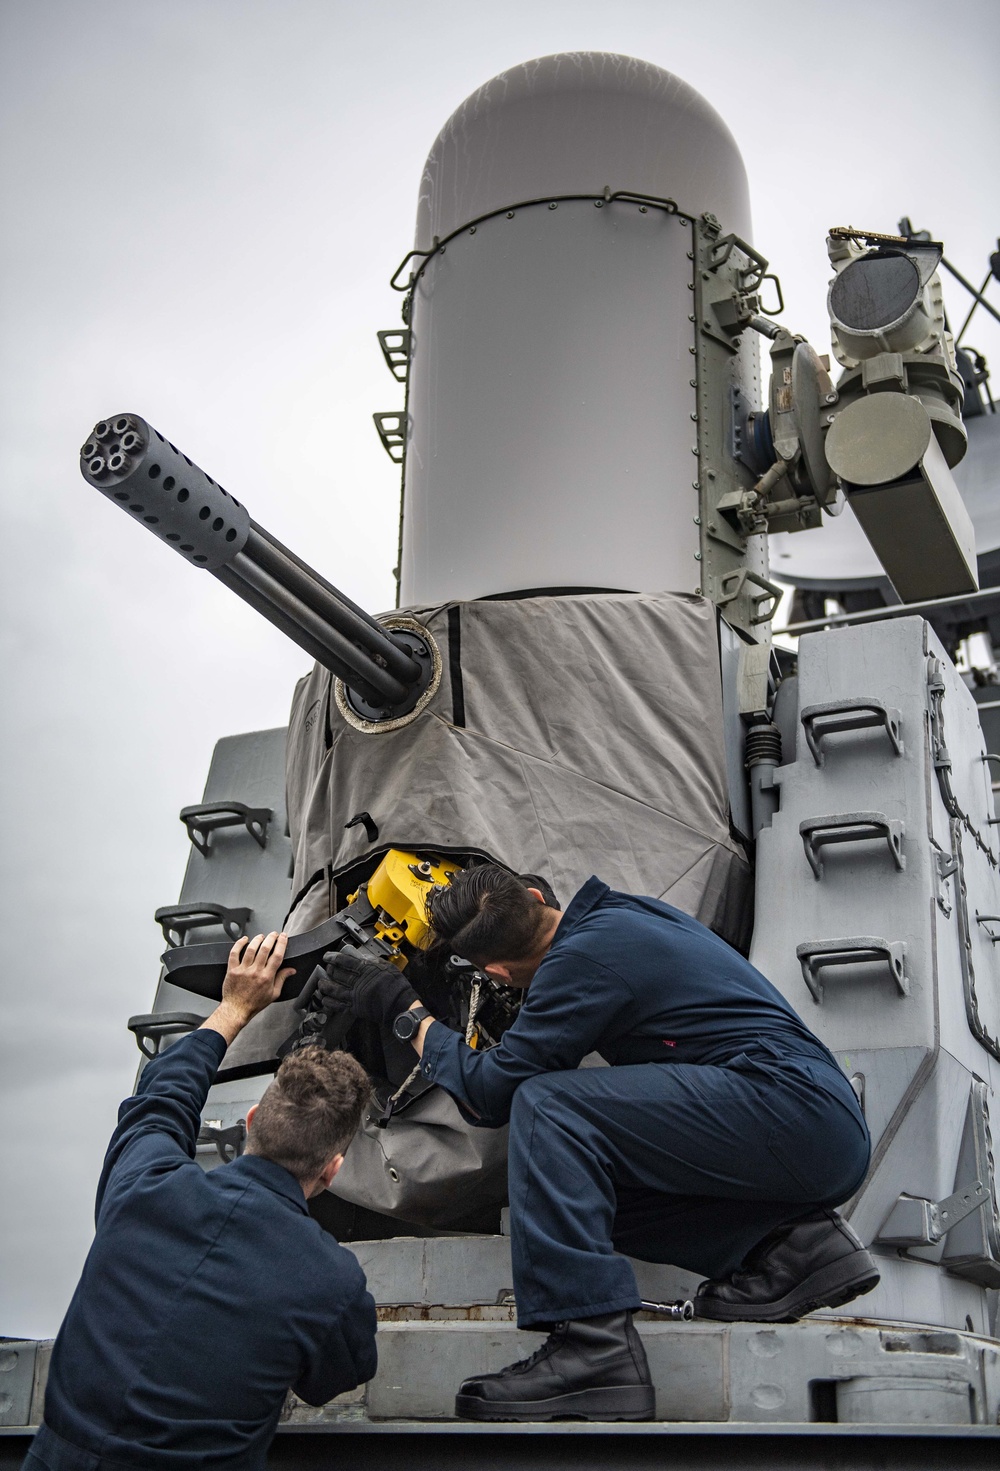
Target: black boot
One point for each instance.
(811, 1263)
(590, 1369)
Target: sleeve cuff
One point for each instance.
(437, 1032)
(217, 1044)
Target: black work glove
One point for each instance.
(372, 989)
(324, 1022)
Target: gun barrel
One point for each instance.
(131, 463)
(353, 622)
(275, 601)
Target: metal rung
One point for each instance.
(202, 820)
(994, 785)
(813, 955)
(846, 715)
(150, 1029)
(228, 1141)
(392, 432)
(175, 920)
(985, 920)
(851, 827)
(395, 347)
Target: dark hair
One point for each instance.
(486, 914)
(535, 881)
(310, 1112)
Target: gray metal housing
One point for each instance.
(571, 124)
(875, 883)
(552, 398)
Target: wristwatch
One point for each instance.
(407, 1024)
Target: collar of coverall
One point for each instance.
(582, 902)
(272, 1177)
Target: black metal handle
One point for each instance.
(201, 969)
(857, 950)
(819, 721)
(151, 1028)
(851, 827)
(228, 1141)
(204, 818)
(177, 920)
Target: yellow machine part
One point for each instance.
(399, 887)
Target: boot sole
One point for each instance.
(829, 1287)
(622, 1402)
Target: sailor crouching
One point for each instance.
(718, 1140)
(206, 1296)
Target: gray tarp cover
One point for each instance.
(583, 735)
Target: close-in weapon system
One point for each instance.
(386, 671)
(600, 515)
(889, 434)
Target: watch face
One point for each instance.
(406, 1026)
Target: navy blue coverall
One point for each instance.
(203, 1299)
(720, 1117)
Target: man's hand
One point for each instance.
(373, 989)
(254, 979)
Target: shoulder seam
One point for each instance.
(599, 965)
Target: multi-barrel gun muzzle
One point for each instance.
(385, 671)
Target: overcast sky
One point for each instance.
(202, 203)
